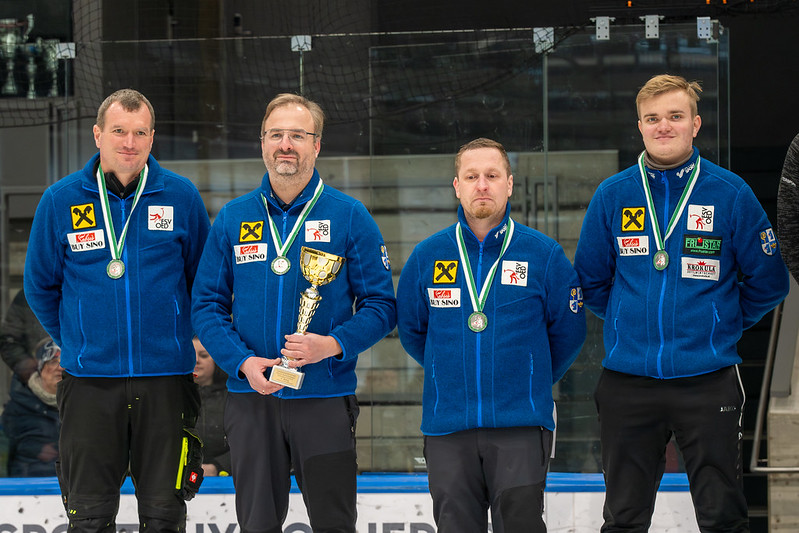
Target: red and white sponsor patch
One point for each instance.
(85, 241)
(633, 245)
(248, 253)
(700, 268)
(444, 297)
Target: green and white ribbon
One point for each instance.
(660, 240)
(280, 246)
(478, 301)
(117, 245)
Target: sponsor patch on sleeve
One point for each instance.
(83, 216)
(160, 217)
(84, 241)
(444, 297)
(633, 218)
(633, 245)
(514, 273)
(768, 242)
(701, 245)
(700, 217)
(384, 257)
(575, 299)
(251, 231)
(248, 253)
(700, 268)
(317, 231)
(445, 271)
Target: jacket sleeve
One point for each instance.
(44, 264)
(595, 258)
(565, 314)
(212, 301)
(764, 280)
(788, 209)
(193, 247)
(369, 276)
(412, 311)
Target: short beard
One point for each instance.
(287, 169)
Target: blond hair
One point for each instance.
(284, 99)
(130, 100)
(664, 83)
(482, 142)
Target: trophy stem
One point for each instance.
(10, 88)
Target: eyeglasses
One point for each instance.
(295, 136)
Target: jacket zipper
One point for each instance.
(661, 302)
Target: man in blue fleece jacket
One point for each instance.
(678, 257)
(111, 258)
(493, 311)
(245, 311)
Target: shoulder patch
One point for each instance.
(384, 257)
(575, 299)
(768, 242)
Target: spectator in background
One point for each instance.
(788, 209)
(30, 418)
(20, 331)
(211, 381)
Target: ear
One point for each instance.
(697, 124)
(455, 184)
(510, 185)
(96, 131)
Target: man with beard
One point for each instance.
(246, 304)
(493, 312)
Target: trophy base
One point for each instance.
(288, 377)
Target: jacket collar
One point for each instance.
(677, 177)
(494, 238)
(306, 194)
(155, 177)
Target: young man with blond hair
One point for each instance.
(663, 246)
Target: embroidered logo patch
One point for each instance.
(514, 273)
(575, 299)
(384, 257)
(160, 217)
(445, 271)
(700, 217)
(633, 245)
(444, 297)
(251, 231)
(83, 216)
(86, 240)
(768, 242)
(633, 218)
(700, 268)
(247, 253)
(699, 245)
(317, 231)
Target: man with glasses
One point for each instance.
(245, 312)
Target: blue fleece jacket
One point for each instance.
(502, 376)
(139, 324)
(243, 309)
(724, 273)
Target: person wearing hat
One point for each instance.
(30, 418)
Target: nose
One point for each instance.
(482, 182)
(285, 143)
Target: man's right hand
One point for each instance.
(253, 369)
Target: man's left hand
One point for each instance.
(309, 348)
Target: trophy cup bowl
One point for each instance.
(12, 33)
(319, 268)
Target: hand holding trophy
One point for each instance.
(319, 268)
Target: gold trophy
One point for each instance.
(320, 268)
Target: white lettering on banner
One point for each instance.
(247, 253)
(514, 273)
(444, 297)
(86, 240)
(633, 245)
(377, 513)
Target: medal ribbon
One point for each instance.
(117, 246)
(479, 302)
(283, 247)
(686, 193)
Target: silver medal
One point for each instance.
(115, 268)
(280, 265)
